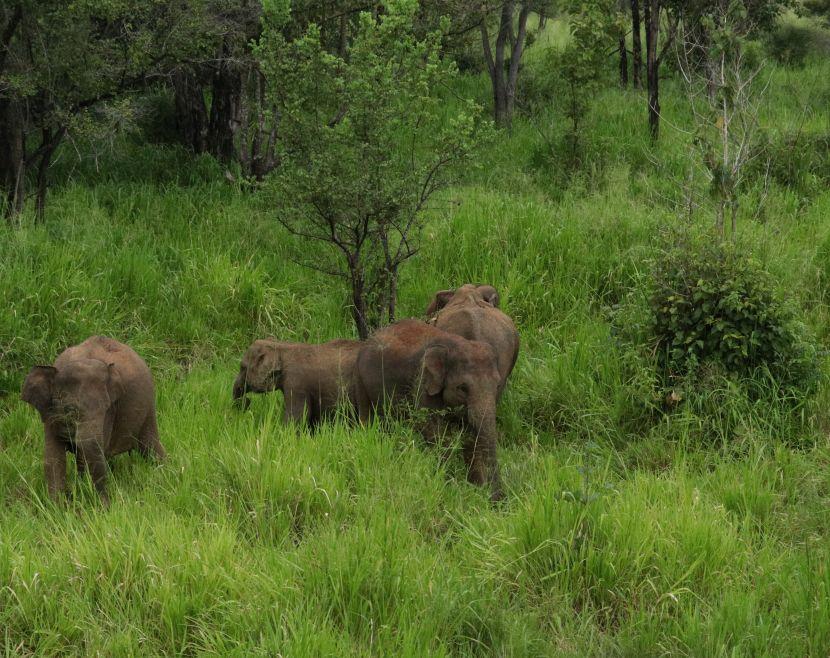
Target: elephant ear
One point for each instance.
(37, 389)
(115, 385)
(435, 369)
(270, 359)
(490, 295)
(439, 301)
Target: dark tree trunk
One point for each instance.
(652, 66)
(393, 293)
(359, 301)
(225, 108)
(516, 58)
(504, 82)
(258, 138)
(495, 64)
(543, 18)
(623, 62)
(190, 111)
(51, 141)
(12, 157)
(621, 46)
(636, 47)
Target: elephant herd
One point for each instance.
(98, 398)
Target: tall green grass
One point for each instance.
(625, 531)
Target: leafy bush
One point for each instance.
(712, 304)
(795, 40)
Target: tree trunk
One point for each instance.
(495, 64)
(12, 157)
(393, 293)
(623, 62)
(652, 66)
(636, 47)
(51, 141)
(543, 18)
(190, 111)
(359, 300)
(621, 46)
(12, 131)
(515, 60)
(225, 109)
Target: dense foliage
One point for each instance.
(364, 146)
(712, 303)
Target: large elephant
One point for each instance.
(472, 311)
(313, 378)
(96, 401)
(436, 370)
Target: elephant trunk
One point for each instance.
(240, 400)
(480, 447)
(91, 440)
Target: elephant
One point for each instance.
(472, 311)
(412, 360)
(96, 401)
(314, 378)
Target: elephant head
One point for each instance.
(259, 372)
(79, 396)
(466, 375)
(480, 293)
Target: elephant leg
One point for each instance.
(314, 412)
(80, 466)
(148, 440)
(297, 405)
(363, 404)
(54, 463)
(482, 463)
(95, 462)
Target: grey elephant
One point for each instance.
(435, 370)
(314, 378)
(472, 311)
(96, 401)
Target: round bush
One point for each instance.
(711, 303)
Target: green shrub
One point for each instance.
(712, 304)
(794, 41)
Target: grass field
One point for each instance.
(702, 532)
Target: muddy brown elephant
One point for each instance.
(96, 401)
(435, 370)
(472, 311)
(314, 378)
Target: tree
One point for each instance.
(636, 46)
(59, 61)
(623, 49)
(581, 64)
(364, 145)
(504, 73)
(654, 56)
(219, 91)
(722, 76)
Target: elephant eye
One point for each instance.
(463, 388)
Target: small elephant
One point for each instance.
(96, 401)
(313, 378)
(472, 311)
(436, 370)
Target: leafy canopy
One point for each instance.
(365, 141)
